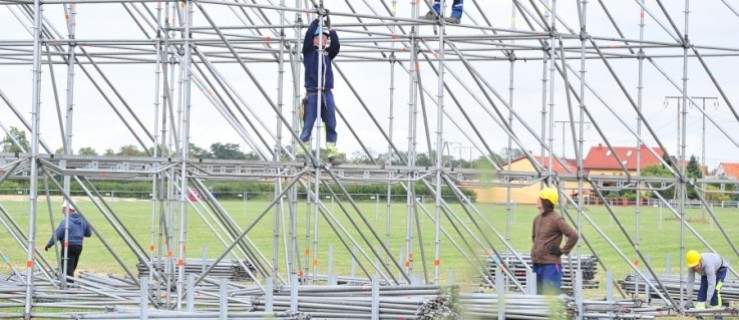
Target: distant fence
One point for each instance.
(379, 197)
(250, 195)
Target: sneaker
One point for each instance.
(452, 20)
(431, 15)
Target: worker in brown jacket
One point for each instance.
(549, 227)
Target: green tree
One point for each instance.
(226, 151)
(130, 150)
(87, 151)
(20, 136)
(694, 169)
(657, 170)
(198, 152)
(109, 152)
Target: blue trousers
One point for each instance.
(703, 291)
(548, 278)
(328, 115)
(457, 7)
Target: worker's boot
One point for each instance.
(333, 154)
(299, 153)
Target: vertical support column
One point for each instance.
(412, 117)
(681, 162)
(144, 295)
(36, 120)
(354, 262)
(390, 117)
(439, 152)
(317, 136)
(375, 298)
(331, 276)
(223, 295)
(509, 155)
(278, 145)
(578, 293)
(640, 93)
(500, 291)
(71, 28)
(530, 282)
(581, 141)
(546, 51)
(155, 186)
(552, 77)
(294, 295)
(269, 289)
(190, 293)
(184, 149)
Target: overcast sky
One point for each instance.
(711, 24)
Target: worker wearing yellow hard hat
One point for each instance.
(712, 269)
(549, 227)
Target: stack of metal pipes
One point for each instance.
(229, 269)
(569, 265)
(514, 306)
(729, 291)
(617, 309)
(94, 296)
(352, 302)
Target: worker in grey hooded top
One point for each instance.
(712, 269)
(78, 230)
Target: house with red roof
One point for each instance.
(602, 161)
(728, 170)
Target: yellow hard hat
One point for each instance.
(692, 258)
(550, 194)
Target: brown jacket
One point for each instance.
(548, 230)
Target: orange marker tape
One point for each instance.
(151, 248)
(180, 262)
(315, 262)
(437, 262)
(29, 264)
(307, 252)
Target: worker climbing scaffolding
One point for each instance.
(320, 47)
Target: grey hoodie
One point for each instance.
(78, 228)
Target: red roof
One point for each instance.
(601, 158)
(570, 164)
(730, 169)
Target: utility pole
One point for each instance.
(703, 131)
(703, 134)
(563, 122)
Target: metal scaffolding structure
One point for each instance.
(242, 59)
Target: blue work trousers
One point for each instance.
(457, 7)
(548, 278)
(703, 291)
(328, 115)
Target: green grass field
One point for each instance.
(659, 235)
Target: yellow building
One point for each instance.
(526, 194)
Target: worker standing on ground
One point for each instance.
(712, 269)
(315, 43)
(546, 253)
(78, 229)
(457, 10)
